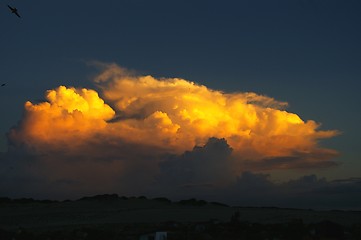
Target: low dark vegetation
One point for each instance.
(24, 200)
(103, 197)
(212, 230)
(192, 202)
(162, 199)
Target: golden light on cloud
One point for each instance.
(172, 114)
(69, 114)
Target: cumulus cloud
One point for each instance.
(140, 131)
(185, 114)
(67, 115)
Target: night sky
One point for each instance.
(245, 102)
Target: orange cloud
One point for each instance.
(255, 126)
(68, 118)
(171, 115)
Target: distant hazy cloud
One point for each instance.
(252, 189)
(144, 134)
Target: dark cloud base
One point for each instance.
(209, 172)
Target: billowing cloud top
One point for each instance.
(69, 114)
(139, 121)
(182, 114)
(172, 114)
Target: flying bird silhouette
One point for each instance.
(3, 84)
(14, 10)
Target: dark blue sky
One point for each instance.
(305, 52)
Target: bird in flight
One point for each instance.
(14, 10)
(3, 84)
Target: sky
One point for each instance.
(245, 102)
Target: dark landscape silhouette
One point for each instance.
(109, 216)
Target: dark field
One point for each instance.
(112, 217)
